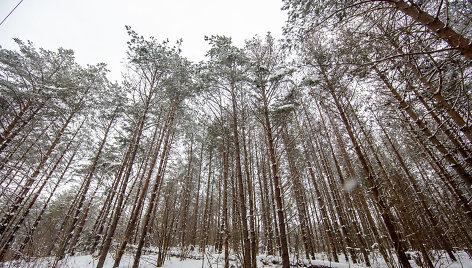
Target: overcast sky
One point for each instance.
(95, 29)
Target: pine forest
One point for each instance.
(347, 143)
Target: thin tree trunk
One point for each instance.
(28, 238)
(277, 184)
(358, 194)
(9, 232)
(154, 191)
(239, 177)
(266, 215)
(23, 193)
(225, 149)
(196, 220)
(251, 201)
(82, 194)
(436, 26)
(205, 227)
(397, 243)
(453, 114)
(10, 235)
(422, 126)
(421, 197)
(361, 239)
(117, 214)
(299, 196)
(140, 202)
(8, 136)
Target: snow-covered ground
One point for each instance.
(217, 261)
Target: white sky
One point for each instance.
(95, 29)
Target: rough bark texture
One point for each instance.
(277, 186)
(436, 26)
(428, 133)
(239, 177)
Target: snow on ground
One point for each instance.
(217, 261)
(86, 261)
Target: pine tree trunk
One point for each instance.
(321, 204)
(397, 243)
(251, 201)
(359, 195)
(82, 195)
(225, 149)
(422, 126)
(454, 39)
(264, 193)
(441, 102)
(346, 199)
(21, 159)
(205, 227)
(277, 185)
(99, 225)
(153, 198)
(195, 217)
(10, 233)
(299, 197)
(15, 222)
(7, 136)
(28, 238)
(117, 214)
(140, 202)
(239, 177)
(421, 197)
(455, 140)
(24, 192)
(445, 177)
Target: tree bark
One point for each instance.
(239, 177)
(422, 126)
(277, 184)
(117, 214)
(436, 26)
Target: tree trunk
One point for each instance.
(299, 197)
(454, 39)
(117, 214)
(251, 201)
(422, 126)
(82, 195)
(239, 177)
(421, 197)
(15, 222)
(23, 193)
(277, 185)
(154, 191)
(28, 238)
(397, 243)
(140, 202)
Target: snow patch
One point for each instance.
(350, 185)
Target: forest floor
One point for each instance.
(217, 261)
